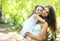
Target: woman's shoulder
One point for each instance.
(44, 24)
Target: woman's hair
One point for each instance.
(35, 9)
(51, 19)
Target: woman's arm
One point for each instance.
(39, 18)
(41, 35)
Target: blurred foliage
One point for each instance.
(16, 11)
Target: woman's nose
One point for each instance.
(44, 12)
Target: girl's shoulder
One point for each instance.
(33, 15)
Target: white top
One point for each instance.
(35, 30)
(31, 21)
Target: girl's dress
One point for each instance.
(27, 26)
(36, 29)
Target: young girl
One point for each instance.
(32, 20)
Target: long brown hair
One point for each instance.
(51, 19)
(35, 9)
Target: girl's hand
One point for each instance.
(39, 18)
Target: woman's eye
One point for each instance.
(47, 12)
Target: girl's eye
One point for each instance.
(38, 9)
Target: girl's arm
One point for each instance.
(39, 18)
(41, 35)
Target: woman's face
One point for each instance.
(45, 12)
(39, 10)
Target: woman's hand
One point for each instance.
(26, 34)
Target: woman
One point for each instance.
(49, 16)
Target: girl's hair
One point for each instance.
(51, 19)
(35, 9)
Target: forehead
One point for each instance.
(39, 8)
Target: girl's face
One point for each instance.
(45, 12)
(39, 10)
